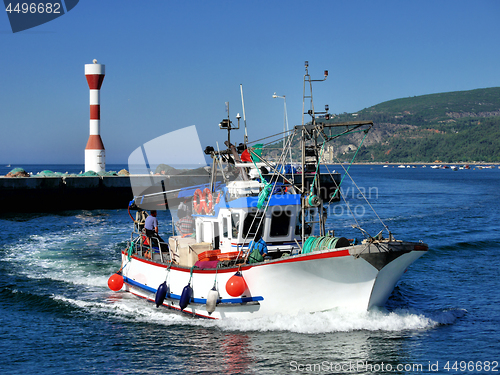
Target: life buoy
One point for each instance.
(208, 200)
(199, 201)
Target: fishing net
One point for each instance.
(17, 172)
(109, 173)
(89, 174)
(257, 150)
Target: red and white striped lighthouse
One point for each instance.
(95, 155)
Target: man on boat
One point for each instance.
(184, 206)
(185, 224)
(151, 226)
(257, 249)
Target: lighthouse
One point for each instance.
(95, 155)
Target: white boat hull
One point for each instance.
(348, 277)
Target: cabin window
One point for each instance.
(253, 228)
(224, 227)
(280, 223)
(235, 224)
(216, 239)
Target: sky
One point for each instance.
(173, 64)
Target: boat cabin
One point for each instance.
(235, 220)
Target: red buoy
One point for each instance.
(236, 285)
(115, 282)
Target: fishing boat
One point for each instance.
(261, 246)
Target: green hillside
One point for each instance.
(450, 127)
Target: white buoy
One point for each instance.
(212, 298)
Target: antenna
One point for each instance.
(245, 139)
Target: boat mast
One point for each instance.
(245, 139)
(231, 149)
(310, 132)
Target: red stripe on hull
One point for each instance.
(94, 143)
(334, 254)
(95, 81)
(95, 112)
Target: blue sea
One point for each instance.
(58, 316)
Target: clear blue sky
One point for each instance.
(174, 64)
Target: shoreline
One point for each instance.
(417, 163)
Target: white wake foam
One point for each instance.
(338, 320)
(124, 306)
(84, 256)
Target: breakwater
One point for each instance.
(44, 193)
(56, 193)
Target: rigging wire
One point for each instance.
(352, 161)
(267, 199)
(364, 197)
(345, 201)
(274, 135)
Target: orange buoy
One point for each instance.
(115, 282)
(236, 285)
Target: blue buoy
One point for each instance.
(185, 296)
(161, 293)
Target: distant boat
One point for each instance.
(453, 168)
(401, 166)
(8, 165)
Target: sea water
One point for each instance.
(58, 316)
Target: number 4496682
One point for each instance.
(34, 8)
(471, 366)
